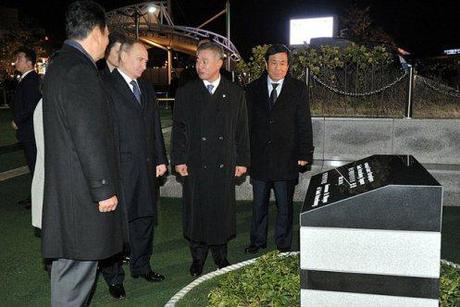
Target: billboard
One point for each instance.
(302, 30)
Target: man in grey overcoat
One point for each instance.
(82, 223)
(210, 147)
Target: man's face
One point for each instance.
(133, 62)
(102, 37)
(22, 64)
(114, 54)
(208, 65)
(277, 66)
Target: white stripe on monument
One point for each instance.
(371, 251)
(318, 298)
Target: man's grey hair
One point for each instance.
(208, 45)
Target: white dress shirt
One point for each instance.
(215, 83)
(128, 80)
(270, 86)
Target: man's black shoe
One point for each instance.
(253, 249)
(222, 264)
(150, 276)
(117, 291)
(196, 268)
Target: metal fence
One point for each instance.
(389, 92)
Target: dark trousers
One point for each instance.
(199, 251)
(140, 251)
(30, 150)
(284, 193)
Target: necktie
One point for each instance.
(136, 91)
(273, 95)
(210, 87)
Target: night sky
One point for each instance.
(421, 27)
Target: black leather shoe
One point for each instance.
(223, 263)
(117, 291)
(252, 249)
(196, 268)
(150, 276)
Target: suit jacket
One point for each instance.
(81, 162)
(281, 136)
(141, 143)
(210, 135)
(25, 100)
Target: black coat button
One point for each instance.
(203, 139)
(269, 141)
(221, 166)
(221, 138)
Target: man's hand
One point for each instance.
(13, 124)
(161, 169)
(182, 169)
(108, 204)
(302, 162)
(240, 170)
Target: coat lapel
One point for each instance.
(284, 95)
(123, 88)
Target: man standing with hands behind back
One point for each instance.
(81, 219)
(143, 159)
(210, 146)
(281, 142)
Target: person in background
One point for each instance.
(25, 100)
(112, 53)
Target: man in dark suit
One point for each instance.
(25, 100)
(112, 53)
(281, 142)
(143, 160)
(81, 221)
(210, 146)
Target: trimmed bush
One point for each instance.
(274, 281)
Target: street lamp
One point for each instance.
(138, 14)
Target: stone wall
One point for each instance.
(434, 143)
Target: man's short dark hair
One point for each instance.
(128, 43)
(81, 18)
(276, 48)
(208, 45)
(115, 37)
(29, 54)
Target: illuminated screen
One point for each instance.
(302, 30)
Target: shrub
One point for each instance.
(274, 281)
(270, 281)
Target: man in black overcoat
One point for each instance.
(210, 146)
(281, 143)
(143, 160)
(25, 100)
(81, 221)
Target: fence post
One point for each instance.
(410, 89)
(307, 76)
